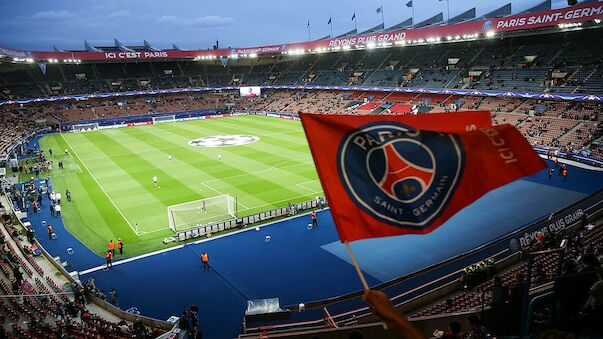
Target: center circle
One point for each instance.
(224, 140)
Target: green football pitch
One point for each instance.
(110, 175)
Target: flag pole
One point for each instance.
(309, 35)
(382, 17)
(360, 274)
(413, 14)
(331, 24)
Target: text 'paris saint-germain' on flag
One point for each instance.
(407, 174)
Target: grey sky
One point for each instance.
(38, 24)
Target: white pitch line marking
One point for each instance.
(99, 185)
(301, 184)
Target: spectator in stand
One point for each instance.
(184, 320)
(113, 296)
(477, 330)
(30, 235)
(539, 274)
(194, 316)
(17, 274)
(454, 332)
(594, 304)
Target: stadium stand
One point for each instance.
(523, 63)
(550, 123)
(37, 305)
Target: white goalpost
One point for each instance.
(201, 212)
(77, 128)
(164, 119)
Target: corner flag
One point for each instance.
(391, 175)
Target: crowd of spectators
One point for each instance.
(578, 254)
(38, 307)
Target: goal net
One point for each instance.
(202, 212)
(164, 119)
(84, 127)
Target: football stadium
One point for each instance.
(439, 175)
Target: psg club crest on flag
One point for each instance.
(386, 175)
(408, 176)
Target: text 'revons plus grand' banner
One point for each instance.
(391, 175)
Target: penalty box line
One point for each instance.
(302, 185)
(99, 185)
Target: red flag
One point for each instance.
(383, 177)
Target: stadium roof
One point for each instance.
(404, 24)
(122, 47)
(377, 28)
(502, 11)
(466, 15)
(352, 32)
(433, 20)
(90, 48)
(543, 6)
(149, 47)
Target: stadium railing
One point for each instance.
(403, 290)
